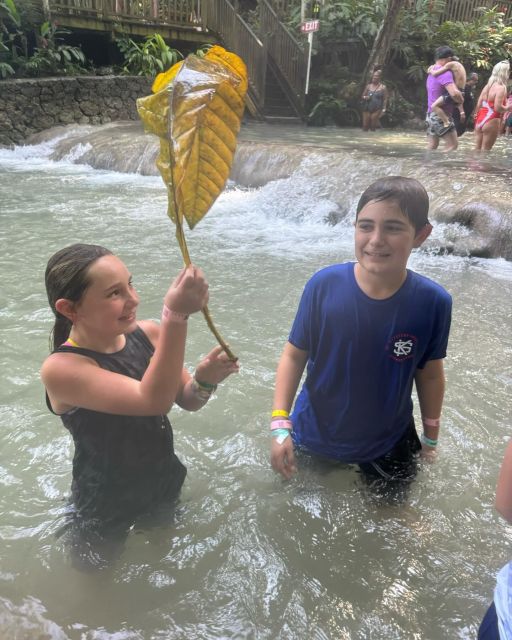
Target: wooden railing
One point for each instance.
(286, 52)
(222, 19)
(464, 10)
(163, 12)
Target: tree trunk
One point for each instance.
(384, 39)
(46, 10)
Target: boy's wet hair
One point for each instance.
(67, 276)
(409, 194)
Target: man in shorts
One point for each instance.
(436, 86)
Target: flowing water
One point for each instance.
(250, 556)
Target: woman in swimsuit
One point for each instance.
(490, 107)
(375, 99)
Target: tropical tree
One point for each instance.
(384, 38)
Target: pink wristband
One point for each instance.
(431, 422)
(169, 314)
(281, 424)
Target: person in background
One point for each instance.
(506, 127)
(374, 102)
(366, 332)
(436, 86)
(112, 379)
(467, 123)
(459, 74)
(491, 106)
(497, 622)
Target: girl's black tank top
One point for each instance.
(123, 466)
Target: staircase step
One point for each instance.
(283, 120)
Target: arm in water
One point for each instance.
(289, 371)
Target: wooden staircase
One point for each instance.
(275, 60)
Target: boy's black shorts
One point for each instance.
(400, 462)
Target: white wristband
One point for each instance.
(169, 314)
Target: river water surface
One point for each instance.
(250, 556)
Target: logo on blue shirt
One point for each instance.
(401, 346)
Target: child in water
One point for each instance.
(459, 76)
(112, 380)
(366, 331)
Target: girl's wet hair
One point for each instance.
(67, 276)
(409, 194)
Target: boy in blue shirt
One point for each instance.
(367, 331)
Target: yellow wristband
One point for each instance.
(280, 413)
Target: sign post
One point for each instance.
(309, 27)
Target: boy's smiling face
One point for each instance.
(384, 239)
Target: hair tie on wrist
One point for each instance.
(431, 422)
(176, 316)
(200, 392)
(428, 441)
(207, 386)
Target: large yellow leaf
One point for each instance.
(196, 112)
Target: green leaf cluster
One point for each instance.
(9, 31)
(481, 43)
(52, 56)
(149, 57)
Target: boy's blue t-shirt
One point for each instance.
(356, 401)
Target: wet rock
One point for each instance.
(491, 230)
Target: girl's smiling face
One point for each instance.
(109, 304)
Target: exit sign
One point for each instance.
(311, 25)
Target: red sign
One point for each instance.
(311, 25)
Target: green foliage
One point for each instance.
(5, 67)
(398, 110)
(147, 58)
(417, 27)
(52, 56)
(12, 40)
(203, 50)
(332, 110)
(344, 20)
(480, 43)
(9, 13)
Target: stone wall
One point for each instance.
(30, 106)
